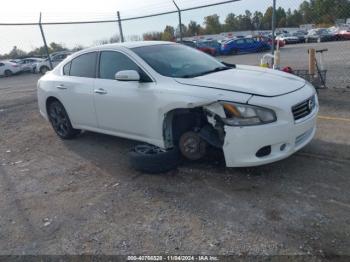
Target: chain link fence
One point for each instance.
(201, 21)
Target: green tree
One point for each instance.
(152, 36)
(231, 23)
(212, 24)
(194, 28)
(170, 30)
(16, 53)
(257, 20)
(267, 19)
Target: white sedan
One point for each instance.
(8, 68)
(288, 38)
(175, 97)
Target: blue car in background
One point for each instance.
(243, 45)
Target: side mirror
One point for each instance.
(127, 75)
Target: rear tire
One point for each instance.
(8, 73)
(44, 69)
(60, 121)
(152, 159)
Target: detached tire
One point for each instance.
(153, 160)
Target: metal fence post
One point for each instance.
(273, 26)
(180, 23)
(120, 27)
(45, 44)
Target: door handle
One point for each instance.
(61, 86)
(100, 91)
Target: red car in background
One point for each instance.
(209, 50)
(211, 47)
(343, 35)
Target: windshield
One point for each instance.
(175, 60)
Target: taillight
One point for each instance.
(14, 65)
(225, 46)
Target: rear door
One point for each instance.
(241, 45)
(75, 89)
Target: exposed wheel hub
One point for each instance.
(192, 146)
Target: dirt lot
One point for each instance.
(80, 196)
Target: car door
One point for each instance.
(251, 45)
(123, 107)
(241, 45)
(2, 68)
(75, 90)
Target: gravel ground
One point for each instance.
(81, 196)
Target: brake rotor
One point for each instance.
(192, 146)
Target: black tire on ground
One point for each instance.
(44, 69)
(153, 160)
(60, 121)
(8, 73)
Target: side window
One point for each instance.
(84, 65)
(112, 62)
(249, 41)
(66, 69)
(240, 42)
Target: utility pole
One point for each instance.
(180, 23)
(120, 28)
(273, 26)
(45, 44)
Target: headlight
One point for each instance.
(247, 115)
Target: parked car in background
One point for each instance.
(288, 38)
(27, 64)
(269, 40)
(300, 35)
(340, 33)
(179, 100)
(189, 43)
(211, 47)
(8, 68)
(343, 35)
(319, 35)
(44, 66)
(243, 45)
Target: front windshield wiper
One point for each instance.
(217, 69)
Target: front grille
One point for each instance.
(304, 108)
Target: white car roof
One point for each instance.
(129, 45)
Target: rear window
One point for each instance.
(66, 69)
(84, 65)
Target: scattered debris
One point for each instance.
(47, 222)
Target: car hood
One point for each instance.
(248, 79)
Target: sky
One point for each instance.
(28, 37)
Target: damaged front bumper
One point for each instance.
(280, 140)
(245, 146)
